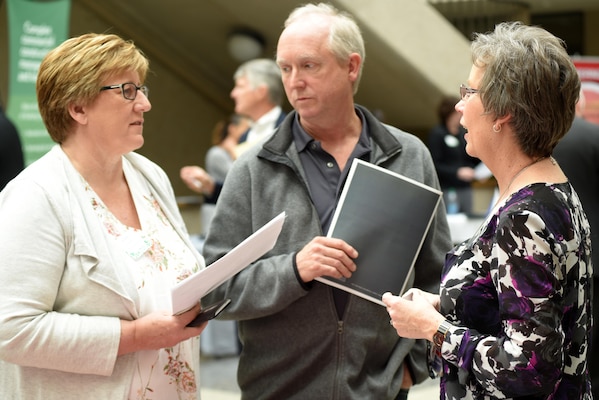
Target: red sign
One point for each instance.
(588, 70)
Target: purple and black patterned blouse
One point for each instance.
(518, 294)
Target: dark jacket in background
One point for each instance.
(578, 156)
(11, 153)
(449, 154)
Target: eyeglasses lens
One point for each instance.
(130, 91)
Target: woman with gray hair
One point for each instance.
(513, 317)
(91, 241)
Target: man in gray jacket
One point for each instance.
(302, 339)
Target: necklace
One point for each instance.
(505, 192)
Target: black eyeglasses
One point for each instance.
(466, 92)
(128, 89)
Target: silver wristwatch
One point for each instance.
(441, 334)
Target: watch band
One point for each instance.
(442, 331)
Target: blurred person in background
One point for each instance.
(220, 157)
(448, 149)
(219, 339)
(258, 95)
(578, 155)
(11, 152)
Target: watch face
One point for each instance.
(439, 336)
(438, 339)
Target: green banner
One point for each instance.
(34, 28)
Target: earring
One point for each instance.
(496, 129)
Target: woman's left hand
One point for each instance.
(414, 315)
(158, 330)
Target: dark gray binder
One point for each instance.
(385, 216)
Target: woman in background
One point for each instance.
(454, 166)
(221, 155)
(513, 318)
(91, 241)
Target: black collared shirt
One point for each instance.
(326, 180)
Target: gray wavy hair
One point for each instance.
(528, 74)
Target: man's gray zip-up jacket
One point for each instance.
(294, 345)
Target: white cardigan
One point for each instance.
(62, 291)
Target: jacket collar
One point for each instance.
(384, 143)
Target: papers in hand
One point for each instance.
(189, 291)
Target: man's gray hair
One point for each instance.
(345, 36)
(263, 71)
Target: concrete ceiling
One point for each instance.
(404, 75)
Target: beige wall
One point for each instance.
(591, 33)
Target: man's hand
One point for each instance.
(466, 174)
(197, 179)
(326, 257)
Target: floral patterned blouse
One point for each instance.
(518, 294)
(158, 260)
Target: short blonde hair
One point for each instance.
(74, 72)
